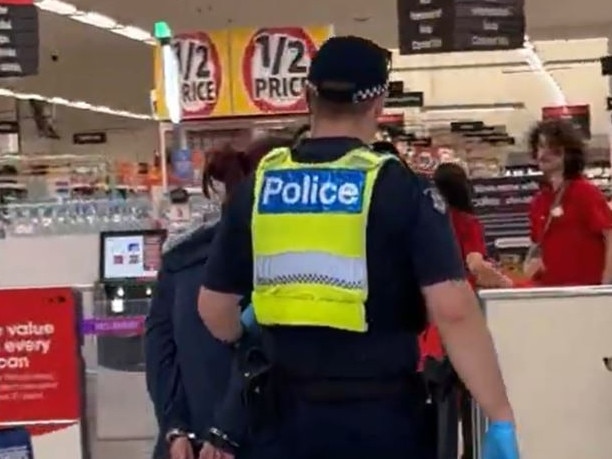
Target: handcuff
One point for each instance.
(175, 434)
(220, 440)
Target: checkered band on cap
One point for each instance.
(370, 93)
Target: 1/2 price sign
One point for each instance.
(203, 82)
(273, 65)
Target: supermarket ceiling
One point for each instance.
(81, 62)
(364, 17)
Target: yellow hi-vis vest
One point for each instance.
(309, 240)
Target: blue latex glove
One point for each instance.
(500, 441)
(249, 321)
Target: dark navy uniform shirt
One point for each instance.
(410, 244)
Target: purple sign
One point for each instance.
(113, 325)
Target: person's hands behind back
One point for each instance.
(500, 441)
(208, 451)
(181, 449)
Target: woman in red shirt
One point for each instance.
(454, 186)
(571, 222)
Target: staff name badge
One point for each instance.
(557, 211)
(339, 191)
(275, 66)
(200, 74)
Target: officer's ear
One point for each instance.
(379, 106)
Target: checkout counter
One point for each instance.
(129, 261)
(128, 266)
(554, 346)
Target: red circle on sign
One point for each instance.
(200, 74)
(275, 64)
(425, 160)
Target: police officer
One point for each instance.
(345, 252)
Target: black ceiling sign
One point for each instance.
(421, 142)
(500, 140)
(484, 131)
(19, 40)
(467, 126)
(406, 137)
(425, 26)
(9, 127)
(406, 99)
(494, 135)
(396, 88)
(606, 65)
(89, 138)
(436, 26)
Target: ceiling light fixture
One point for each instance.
(473, 108)
(78, 104)
(95, 19)
(450, 111)
(131, 32)
(536, 64)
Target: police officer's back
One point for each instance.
(335, 242)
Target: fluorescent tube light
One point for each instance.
(95, 19)
(473, 108)
(78, 104)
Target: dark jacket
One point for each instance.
(187, 369)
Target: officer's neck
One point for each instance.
(339, 129)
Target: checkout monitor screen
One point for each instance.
(131, 255)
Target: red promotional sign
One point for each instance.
(425, 160)
(578, 115)
(392, 119)
(562, 111)
(275, 65)
(200, 74)
(39, 364)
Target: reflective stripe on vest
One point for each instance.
(309, 240)
(327, 269)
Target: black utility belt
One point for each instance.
(357, 389)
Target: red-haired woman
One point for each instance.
(187, 368)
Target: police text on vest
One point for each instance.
(312, 191)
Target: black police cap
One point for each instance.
(349, 70)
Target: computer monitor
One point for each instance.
(130, 255)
